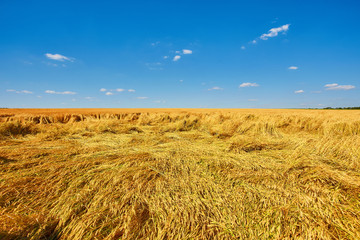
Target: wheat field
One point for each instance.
(179, 174)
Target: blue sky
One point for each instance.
(179, 54)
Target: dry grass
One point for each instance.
(179, 174)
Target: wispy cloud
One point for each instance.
(293, 67)
(58, 57)
(274, 32)
(20, 91)
(335, 86)
(176, 58)
(215, 88)
(299, 91)
(26, 91)
(155, 43)
(166, 57)
(142, 97)
(63, 93)
(51, 64)
(113, 91)
(247, 84)
(275, 21)
(187, 51)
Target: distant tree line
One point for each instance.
(344, 108)
(339, 108)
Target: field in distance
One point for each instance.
(179, 174)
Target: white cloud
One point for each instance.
(181, 80)
(243, 47)
(253, 42)
(21, 91)
(26, 91)
(120, 90)
(176, 58)
(63, 93)
(109, 94)
(331, 85)
(186, 51)
(275, 31)
(247, 84)
(102, 89)
(177, 52)
(67, 93)
(58, 57)
(131, 90)
(299, 91)
(215, 88)
(142, 97)
(166, 57)
(293, 68)
(335, 86)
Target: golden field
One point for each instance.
(179, 174)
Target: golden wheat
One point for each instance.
(179, 174)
